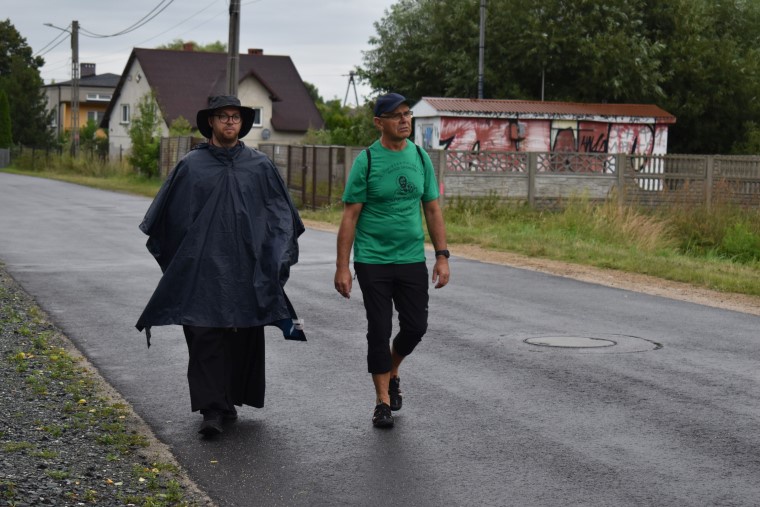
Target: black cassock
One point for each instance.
(225, 232)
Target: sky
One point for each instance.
(324, 38)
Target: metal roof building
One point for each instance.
(524, 125)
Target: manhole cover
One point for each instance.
(576, 342)
(601, 344)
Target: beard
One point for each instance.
(226, 137)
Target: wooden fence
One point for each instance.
(316, 176)
(172, 149)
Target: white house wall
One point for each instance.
(253, 94)
(135, 87)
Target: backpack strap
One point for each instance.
(422, 159)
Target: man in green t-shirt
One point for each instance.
(383, 222)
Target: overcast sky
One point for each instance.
(324, 38)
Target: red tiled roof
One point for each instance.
(532, 107)
(184, 80)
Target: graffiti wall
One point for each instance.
(478, 134)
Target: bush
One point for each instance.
(180, 127)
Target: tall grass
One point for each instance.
(85, 170)
(724, 231)
(86, 164)
(718, 249)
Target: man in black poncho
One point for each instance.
(225, 232)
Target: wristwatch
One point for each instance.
(445, 253)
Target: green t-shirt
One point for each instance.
(389, 230)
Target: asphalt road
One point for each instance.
(666, 414)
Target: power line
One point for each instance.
(109, 57)
(185, 21)
(158, 9)
(61, 35)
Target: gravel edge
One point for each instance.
(68, 438)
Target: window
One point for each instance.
(95, 116)
(257, 117)
(99, 97)
(124, 113)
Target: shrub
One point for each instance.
(144, 133)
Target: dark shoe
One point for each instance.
(382, 418)
(229, 415)
(211, 425)
(394, 391)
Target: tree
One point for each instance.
(6, 137)
(713, 63)
(144, 133)
(698, 59)
(179, 45)
(88, 134)
(582, 51)
(180, 126)
(345, 126)
(313, 93)
(424, 47)
(585, 50)
(20, 79)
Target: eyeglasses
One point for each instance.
(235, 118)
(397, 116)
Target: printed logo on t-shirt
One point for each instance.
(406, 195)
(405, 187)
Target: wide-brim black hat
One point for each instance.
(218, 102)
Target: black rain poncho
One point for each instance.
(225, 232)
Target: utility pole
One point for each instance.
(233, 52)
(482, 52)
(74, 88)
(351, 81)
(74, 83)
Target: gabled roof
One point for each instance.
(184, 80)
(99, 81)
(532, 108)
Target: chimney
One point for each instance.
(255, 51)
(86, 69)
(188, 46)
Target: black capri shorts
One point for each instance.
(384, 286)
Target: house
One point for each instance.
(184, 80)
(95, 92)
(537, 126)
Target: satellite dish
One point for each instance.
(266, 134)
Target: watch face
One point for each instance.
(445, 253)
